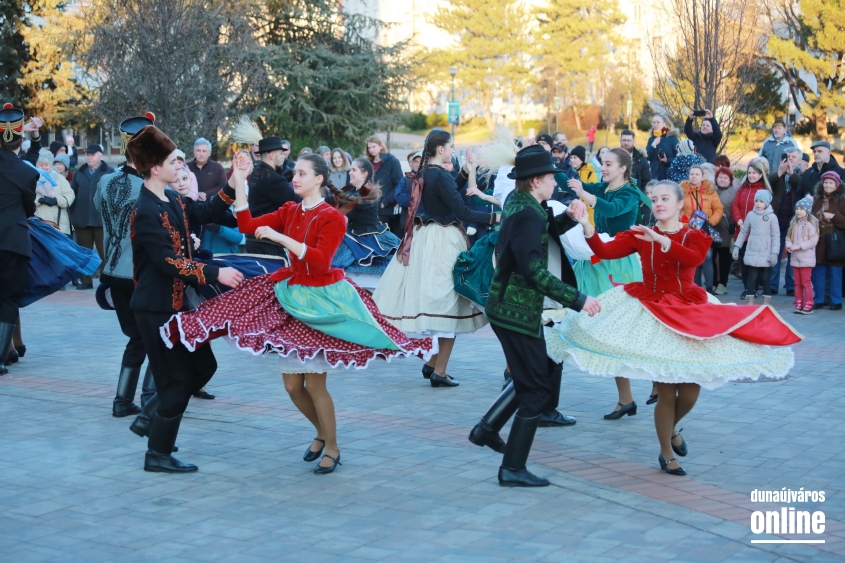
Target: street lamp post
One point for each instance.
(453, 70)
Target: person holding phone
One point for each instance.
(708, 138)
(662, 146)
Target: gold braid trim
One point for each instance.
(11, 129)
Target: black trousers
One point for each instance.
(133, 354)
(178, 373)
(254, 246)
(758, 277)
(12, 284)
(536, 378)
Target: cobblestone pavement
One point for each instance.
(411, 487)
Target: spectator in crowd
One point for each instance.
(708, 138)
(776, 144)
(598, 160)
(339, 169)
(560, 139)
(61, 163)
(700, 195)
(823, 162)
(756, 179)
(303, 152)
(326, 153)
(760, 230)
(585, 170)
(72, 152)
(801, 240)
(211, 177)
(591, 136)
(58, 147)
(722, 259)
(805, 161)
(662, 146)
(829, 209)
(686, 157)
(52, 201)
(786, 185)
(545, 141)
(193, 191)
(560, 157)
(388, 173)
(640, 171)
(84, 217)
(253, 152)
(403, 190)
(288, 163)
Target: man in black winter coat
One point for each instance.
(84, 217)
(268, 191)
(706, 140)
(641, 170)
(17, 203)
(823, 162)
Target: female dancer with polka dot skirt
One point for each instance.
(313, 317)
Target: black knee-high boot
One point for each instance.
(123, 404)
(163, 432)
(486, 432)
(141, 424)
(148, 386)
(512, 472)
(6, 331)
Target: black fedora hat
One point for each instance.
(131, 125)
(532, 161)
(269, 144)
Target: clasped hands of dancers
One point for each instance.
(275, 312)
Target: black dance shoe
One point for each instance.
(427, 371)
(13, 356)
(483, 435)
(836, 307)
(446, 381)
(651, 399)
(554, 418)
(203, 394)
(520, 478)
(312, 455)
(319, 470)
(21, 350)
(630, 409)
(682, 449)
(165, 463)
(664, 465)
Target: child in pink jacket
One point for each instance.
(801, 240)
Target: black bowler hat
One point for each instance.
(11, 122)
(131, 125)
(532, 161)
(270, 144)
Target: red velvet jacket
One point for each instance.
(664, 273)
(321, 230)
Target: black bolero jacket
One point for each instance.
(162, 255)
(443, 202)
(268, 190)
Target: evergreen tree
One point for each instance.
(493, 51)
(808, 42)
(330, 82)
(13, 52)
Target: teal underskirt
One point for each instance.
(336, 310)
(594, 279)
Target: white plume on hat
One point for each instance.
(498, 152)
(246, 131)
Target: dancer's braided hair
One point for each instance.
(436, 138)
(321, 168)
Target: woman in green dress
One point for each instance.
(616, 202)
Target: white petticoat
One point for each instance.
(625, 340)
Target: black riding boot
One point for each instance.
(6, 332)
(141, 424)
(123, 404)
(512, 472)
(486, 432)
(148, 386)
(163, 433)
